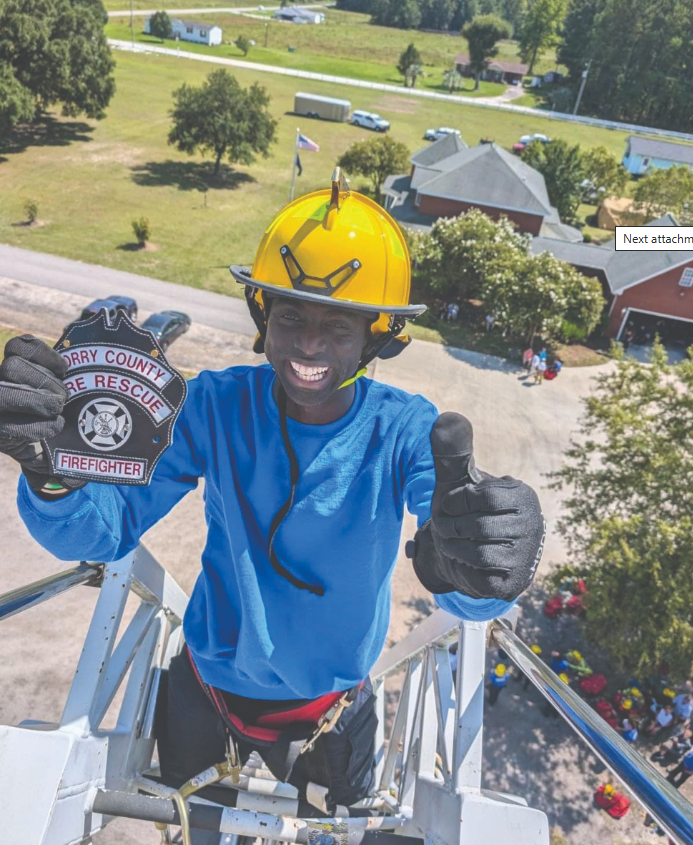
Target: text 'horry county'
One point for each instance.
(135, 362)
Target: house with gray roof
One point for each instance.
(642, 154)
(448, 178)
(495, 70)
(645, 287)
(297, 14)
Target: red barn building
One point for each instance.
(448, 178)
(653, 290)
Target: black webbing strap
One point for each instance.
(280, 757)
(280, 515)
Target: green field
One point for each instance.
(124, 5)
(345, 45)
(90, 179)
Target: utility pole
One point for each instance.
(582, 86)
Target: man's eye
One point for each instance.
(292, 317)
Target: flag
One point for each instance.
(306, 144)
(298, 165)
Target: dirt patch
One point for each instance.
(397, 104)
(30, 224)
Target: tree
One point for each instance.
(376, 160)
(561, 166)
(540, 29)
(142, 230)
(451, 79)
(662, 191)
(541, 295)
(223, 119)
(410, 66)
(606, 174)
(629, 514)
(243, 44)
(482, 34)
(160, 25)
(621, 37)
(460, 253)
(54, 51)
(31, 210)
(17, 103)
(437, 14)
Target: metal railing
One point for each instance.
(32, 594)
(662, 801)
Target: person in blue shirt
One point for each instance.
(498, 679)
(680, 774)
(308, 467)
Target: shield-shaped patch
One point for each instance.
(124, 399)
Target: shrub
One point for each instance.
(142, 230)
(243, 44)
(572, 333)
(31, 210)
(586, 238)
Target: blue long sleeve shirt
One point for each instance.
(249, 630)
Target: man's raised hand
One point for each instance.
(485, 535)
(32, 397)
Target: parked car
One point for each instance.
(113, 305)
(370, 120)
(167, 326)
(441, 132)
(526, 140)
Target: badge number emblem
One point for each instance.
(123, 401)
(105, 424)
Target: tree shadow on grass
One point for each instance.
(49, 131)
(188, 176)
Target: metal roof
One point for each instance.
(443, 148)
(507, 67)
(682, 153)
(489, 175)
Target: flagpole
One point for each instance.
(293, 168)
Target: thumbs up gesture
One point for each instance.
(485, 535)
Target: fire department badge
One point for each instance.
(124, 399)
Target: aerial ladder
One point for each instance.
(60, 784)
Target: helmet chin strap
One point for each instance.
(352, 380)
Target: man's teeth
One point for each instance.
(309, 373)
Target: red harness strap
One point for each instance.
(263, 729)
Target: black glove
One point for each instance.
(32, 396)
(485, 535)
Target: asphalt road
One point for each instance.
(92, 281)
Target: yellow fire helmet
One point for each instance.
(627, 704)
(340, 247)
(564, 678)
(500, 670)
(576, 656)
(670, 693)
(536, 648)
(608, 791)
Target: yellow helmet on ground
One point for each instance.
(536, 648)
(608, 791)
(670, 693)
(500, 670)
(564, 678)
(339, 247)
(627, 704)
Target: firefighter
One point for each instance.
(308, 466)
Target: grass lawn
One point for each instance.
(91, 179)
(345, 45)
(124, 5)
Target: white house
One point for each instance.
(296, 14)
(644, 153)
(199, 33)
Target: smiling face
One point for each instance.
(315, 348)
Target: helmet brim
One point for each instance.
(243, 277)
